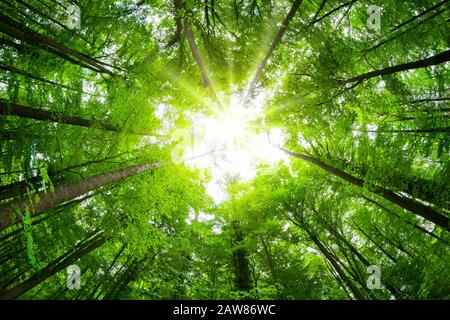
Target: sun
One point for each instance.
(232, 142)
(230, 127)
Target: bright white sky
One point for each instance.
(238, 149)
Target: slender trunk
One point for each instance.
(110, 286)
(53, 268)
(349, 3)
(20, 187)
(130, 274)
(242, 276)
(353, 269)
(15, 278)
(13, 109)
(294, 8)
(338, 279)
(61, 194)
(41, 13)
(347, 243)
(356, 292)
(398, 35)
(437, 99)
(17, 30)
(392, 289)
(23, 49)
(388, 239)
(270, 262)
(406, 203)
(392, 258)
(180, 7)
(196, 54)
(44, 217)
(113, 263)
(430, 61)
(322, 5)
(416, 226)
(32, 76)
(429, 130)
(419, 15)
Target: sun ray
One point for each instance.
(232, 142)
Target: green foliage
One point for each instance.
(294, 231)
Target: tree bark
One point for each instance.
(20, 187)
(53, 268)
(409, 204)
(17, 30)
(356, 292)
(242, 276)
(430, 61)
(13, 109)
(387, 254)
(419, 15)
(294, 8)
(48, 200)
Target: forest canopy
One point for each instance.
(234, 149)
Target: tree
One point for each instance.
(92, 122)
(44, 200)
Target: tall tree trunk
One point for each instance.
(419, 15)
(32, 76)
(409, 204)
(398, 35)
(113, 263)
(319, 10)
(349, 3)
(180, 7)
(294, 8)
(242, 276)
(430, 61)
(356, 292)
(429, 130)
(44, 217)
(53, 268)
(13, 109)
(20, 187)
(48, 200)
(392, 289)
(388, 239)
(19, 31)
(416, 226)
(270, 262)
(387, 254)
(130, 274)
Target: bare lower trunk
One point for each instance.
(294, 8)
(48, 200)
(13, 109)
(406, 203)
(427, 62)
(20, 187)
(19, 31)
(356, 292)
(53, 268)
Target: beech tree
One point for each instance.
(247, 150)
